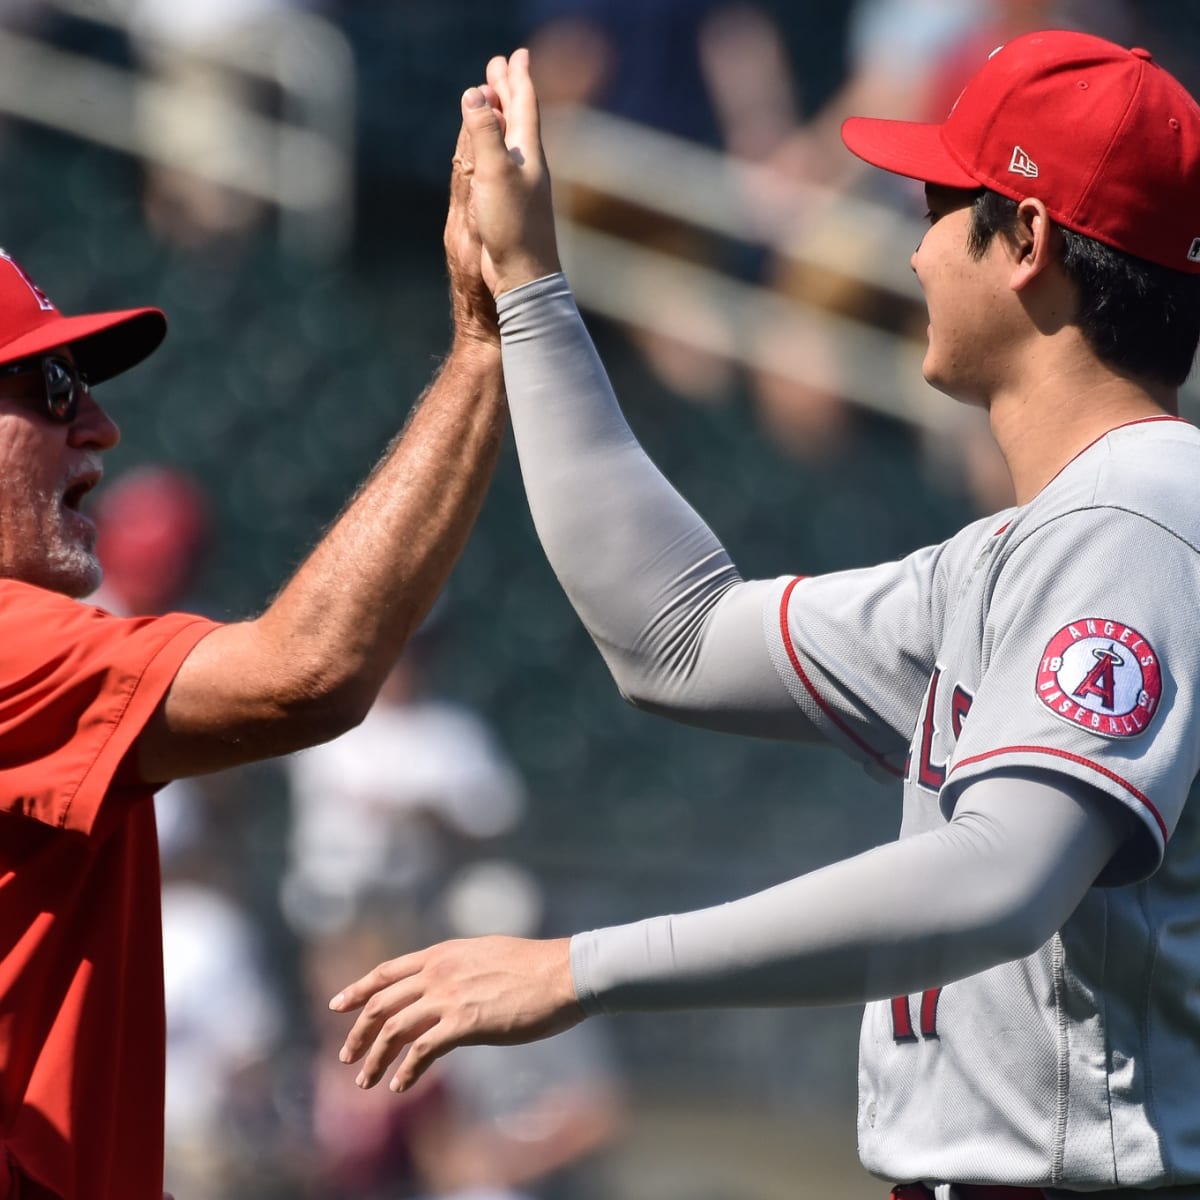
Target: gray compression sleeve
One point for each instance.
(990, 886)
(680, 630)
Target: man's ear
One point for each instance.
(1033, 245)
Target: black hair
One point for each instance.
(1140, 318)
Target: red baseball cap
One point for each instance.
(1103, 136)
(104, 344)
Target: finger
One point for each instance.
(377, 1011)
(393, 1037)
(463, 167)
(422, 1054)
(524, 123)
(497, 77)
(493, 98)
(361, 990)
(482, 123)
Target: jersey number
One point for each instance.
(902, 1026)
(931, 775)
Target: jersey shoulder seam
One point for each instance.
(1023, 535)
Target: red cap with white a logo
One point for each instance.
(1103, 136)
(104, 344)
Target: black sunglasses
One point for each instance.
(64, 382)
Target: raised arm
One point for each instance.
(679, 629)
(312, 664)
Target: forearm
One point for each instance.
(990, 887)
(649, 579)
(311, 665)
(370, 581)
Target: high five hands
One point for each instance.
(510, 188)
(495, 990)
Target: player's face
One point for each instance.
(966, 298)
(46, 468)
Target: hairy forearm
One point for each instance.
(352, 605)
(311, 665)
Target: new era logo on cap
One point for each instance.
(1022, 164)
(1194, 252)
(1117, 140)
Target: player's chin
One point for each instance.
(934, 372)
(938, 374)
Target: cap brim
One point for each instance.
(908, 148)
(104, 344)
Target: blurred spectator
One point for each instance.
(390, 808)
(220, 1110)
(153, 530)
(195, 117)
(362, 1147)
(892, 47)
(652, 64)
(497, 1123)
(531, 1119)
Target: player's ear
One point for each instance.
(1034, 244)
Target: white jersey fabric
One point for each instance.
(1055, 640)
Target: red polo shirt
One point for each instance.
(82, 1029)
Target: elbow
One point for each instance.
(318, 703)
(1016, 931)
(334, 712)
(635, 696)
(336, 707)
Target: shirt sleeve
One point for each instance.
(76, 688)
(1017, 859)
(1089, 671)
(679, 628)
(856, 648)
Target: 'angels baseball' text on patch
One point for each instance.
(1101, 675)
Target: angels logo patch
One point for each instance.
(1101, 675)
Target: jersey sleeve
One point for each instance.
(76, 688)
(855, 649)
(1089, 671)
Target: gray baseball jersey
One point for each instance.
(1058, 637)
(1052, 642)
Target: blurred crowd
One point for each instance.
(438, 816)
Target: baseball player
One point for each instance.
(1027, 947)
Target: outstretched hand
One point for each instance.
(497, 991)
(510, 191)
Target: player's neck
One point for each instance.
(1042, 427)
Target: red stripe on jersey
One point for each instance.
(794, 659)
(1075, 758)
(1123, 425)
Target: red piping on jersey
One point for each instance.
(794, 659)
(1075, 758)
(1123, 425)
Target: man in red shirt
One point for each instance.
(95, 710)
